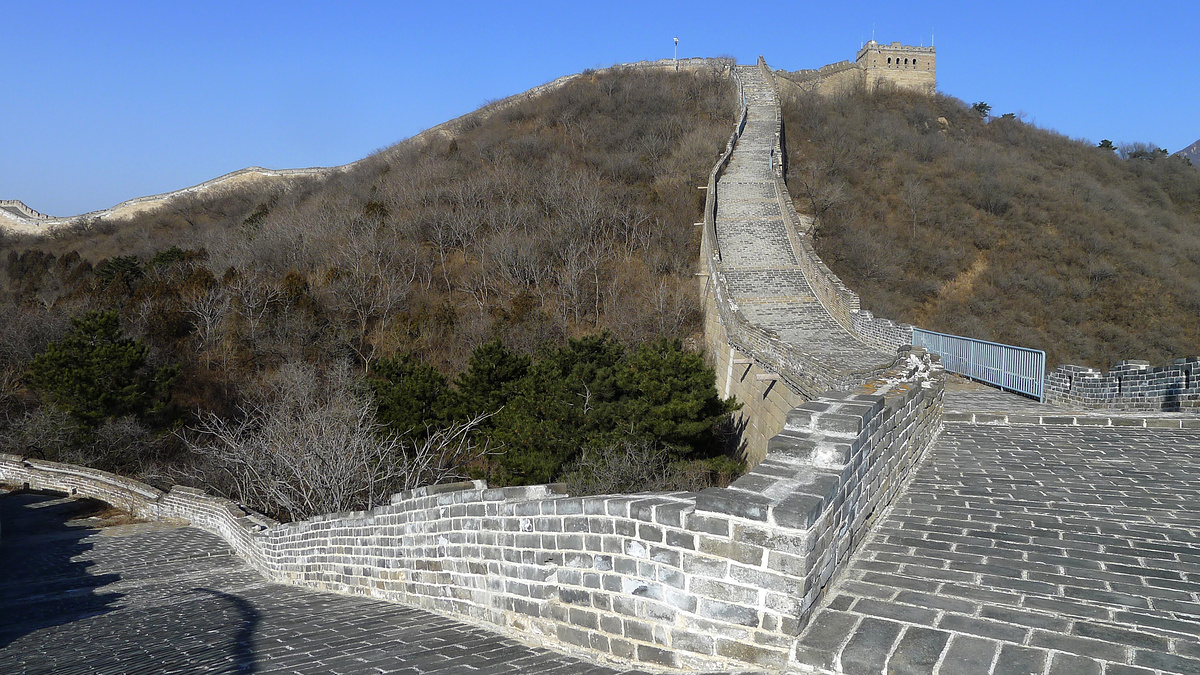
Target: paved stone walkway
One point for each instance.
(757, 257)
(151, 598)
(1047, 550)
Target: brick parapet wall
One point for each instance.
(721, 578)
(19, 206)
(804, 373)
(881, 332)
(1128, 385)
(842, 303)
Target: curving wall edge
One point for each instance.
(721, 578)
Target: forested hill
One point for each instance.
(940, 215)
(1191, 153)
(540, 260)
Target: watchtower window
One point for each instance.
(889, 60)
(906, 62)
(914, 62)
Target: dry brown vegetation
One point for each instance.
(564, 215)
(996, 229)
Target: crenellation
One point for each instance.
(1129, 385)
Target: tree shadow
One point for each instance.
(242, 651)
(43, 580)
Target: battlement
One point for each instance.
(904, 66)
(895, 47)
(17, 209)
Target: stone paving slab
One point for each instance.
(154, 599)
(753, 236)
(979, 404)
(1027, 550)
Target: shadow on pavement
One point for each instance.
(43, 581)
(242, 651)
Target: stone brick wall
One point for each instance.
(881, 332)
(723, 578)
(16, 206)
(904, 66)
(1129, 385)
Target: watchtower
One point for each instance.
(903, 65)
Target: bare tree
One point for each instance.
(312, 445)
(209, 310)
(256, 298)
(914, 194)
(822, 189)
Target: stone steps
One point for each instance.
(759, 263)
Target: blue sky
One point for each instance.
(105, 101)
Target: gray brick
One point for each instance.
(918, 651)
(1070, 664)
(1077, 645)
(819, 644)
(1016, 660)
(889, 610)
(1167, 662)
(1120, 636)
(969, 656)
(988, 629)
(869, 647)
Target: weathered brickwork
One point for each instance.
(720, 578)
(903, 66)
(1129, 385)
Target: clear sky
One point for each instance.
(105, 101)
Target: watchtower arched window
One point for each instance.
(889, 60)
(906, 62)
(914, 62)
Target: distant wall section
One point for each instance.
(904, 66)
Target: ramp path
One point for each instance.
(157, 598)
(760, 268)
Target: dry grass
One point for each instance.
(1000, 230)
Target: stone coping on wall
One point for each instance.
(1129, 386)
(724, 578)
(803, 372)
(1070, 420)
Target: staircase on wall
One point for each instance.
(762, 274)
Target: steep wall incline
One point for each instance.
(723, 578)
(782, 328)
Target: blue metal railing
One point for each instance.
(1018, 369)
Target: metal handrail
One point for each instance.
(1018, 369)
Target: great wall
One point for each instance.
(885, 523)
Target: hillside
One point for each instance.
(556, 228)
(996, 229)
(1191, 153)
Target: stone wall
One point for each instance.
(841, 302)
(1129, 385)
(18, 208)
(830, 80)
(904, 66)
(723, 578)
